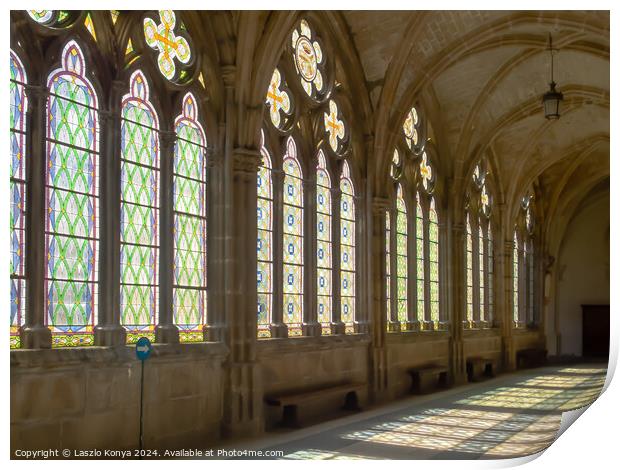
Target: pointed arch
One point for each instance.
(347, 246)
(402, 271)
(264, 242)
(433, 241)
(72, 202)
(140, 177)
(324, 244)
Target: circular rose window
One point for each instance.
(306, 58)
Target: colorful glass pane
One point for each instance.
(333, 126)
(18, 106)
(481, 273)
(139, 211)
(469, 272)
(162, 38)
(307, 55)
(490, 261)
(114, 14)
(190, 223)
(409, 127)
(292, 266)
(324, 242)
(41, 16)
(515, 279)
(401, 256)
(419, 229)
(426, 173)
(277, 99)
(72, 202)
(90, 26)
(433, 241)
(264, 246)
(347, 246)
(388, 272)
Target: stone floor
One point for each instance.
(510, 416)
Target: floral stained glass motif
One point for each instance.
(419, 238)
(333, 126)
(433, 243)
(72, 202)
(388, 271)
(171, 46)
(324, 244)
(401, 256)
(307, 56)
(277, 99)
(469, 254)
(395, 166)
(18, 106)
(41, 16)
(293, 239)
(426, 172)
(347, 247)
(264, 242)
(410, 128)
(190, 223)
(139, 211)
(481, 275)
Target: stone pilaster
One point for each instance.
(278, 328)
(109, 331)
(166, 331)
(310, 325)
(508, 322)
(457, 357)
(34, 333)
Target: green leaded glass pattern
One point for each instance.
(419, 238)
(490, 279)
(433, 243)
(264, 242)
(293, 239)
(481, 279)
(190, 223)
(18, 105)
(72, 202)
(469, 271)
(139, 211)
(515, 279)
(401, 256)
(388, 271)
(324, 244)
(347, 246)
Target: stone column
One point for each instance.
(166, 331)
(445, 272)
(109, 331)
(215, 327)
(310, 326)
(508, 322)
(278, 327)
(337, 325)
(243, 401)
(34, 333)
(378, 325)
(457, 357)
(363, 246)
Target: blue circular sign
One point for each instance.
(143, 348)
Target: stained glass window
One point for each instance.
(490, 261)
(481, 280)
(426, 173)
(324, 244)
(529, 258)
(347, 247)
(139, 211)
(170, 45)
(333, 126)
(515, 279)
(401, 256)
(41, 16)
(190, 223)
(72, 202)
(293, 217)
(114, 14)
(264, 242)
(18, 106)
(90, 26)
(419, 238)
(433, 243)
(307, 57)
(388, 271)
(410, 127)
(277, 99)
(469, 271)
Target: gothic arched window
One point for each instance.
(324, 244)
(402, 268)
(18, 106)
(347, 246)
(140, 174)
(433, 230)
(72, 202)
(264, 242)
(190, 223)
(293, 240)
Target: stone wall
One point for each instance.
(87, 398)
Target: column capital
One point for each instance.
(167, 139)
(380, 204)
(214, 158)
(458, 227)
(36, 91)
(228, 75)
(246, 160)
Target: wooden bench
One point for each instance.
(426, 378)
(531, 357)
(478, 367)
(290, 401)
